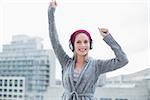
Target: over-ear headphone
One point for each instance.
(91, 43)
(71, 46)
(71, 41)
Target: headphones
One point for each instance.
(71, 44)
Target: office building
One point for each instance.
(25, 57)
(134, 86)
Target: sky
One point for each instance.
(127, 21)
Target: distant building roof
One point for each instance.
(121, 85)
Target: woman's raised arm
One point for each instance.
(59, 51)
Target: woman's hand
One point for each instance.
(103, 31)
(53, 4)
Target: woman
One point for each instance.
(80, 73)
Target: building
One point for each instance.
(134, 86)
(12, 88)
(25, 57)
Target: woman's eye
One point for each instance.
(78, 41)
(85, 41)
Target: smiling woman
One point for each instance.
(80, 73)
(126, 19)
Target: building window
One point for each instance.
(1, 82)
(20, 96)
(10, 84)
(10, 81)
(5, 90)
(5, 95)
(15, 96)
(15, 90)
(21, 83)
(16, 83)
(9, 95)
(20, 90)
(10, 90)
(5, 83)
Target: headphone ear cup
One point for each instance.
(70, 45)
(91, 44)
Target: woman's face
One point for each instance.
(82, 44)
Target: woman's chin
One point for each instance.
(82, 54)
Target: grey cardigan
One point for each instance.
(85, 87)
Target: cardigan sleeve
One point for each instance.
(120, 60)
(59, 51)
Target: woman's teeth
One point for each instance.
(82, 49)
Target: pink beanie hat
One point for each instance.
(74, 34)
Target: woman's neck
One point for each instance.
(81, 59)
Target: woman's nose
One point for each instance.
(82, 44)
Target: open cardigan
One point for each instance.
(85, 86)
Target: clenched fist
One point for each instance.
(103, 31)
(53, 4)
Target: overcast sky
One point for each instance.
(127, 21)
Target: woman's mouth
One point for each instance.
(82, 49)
